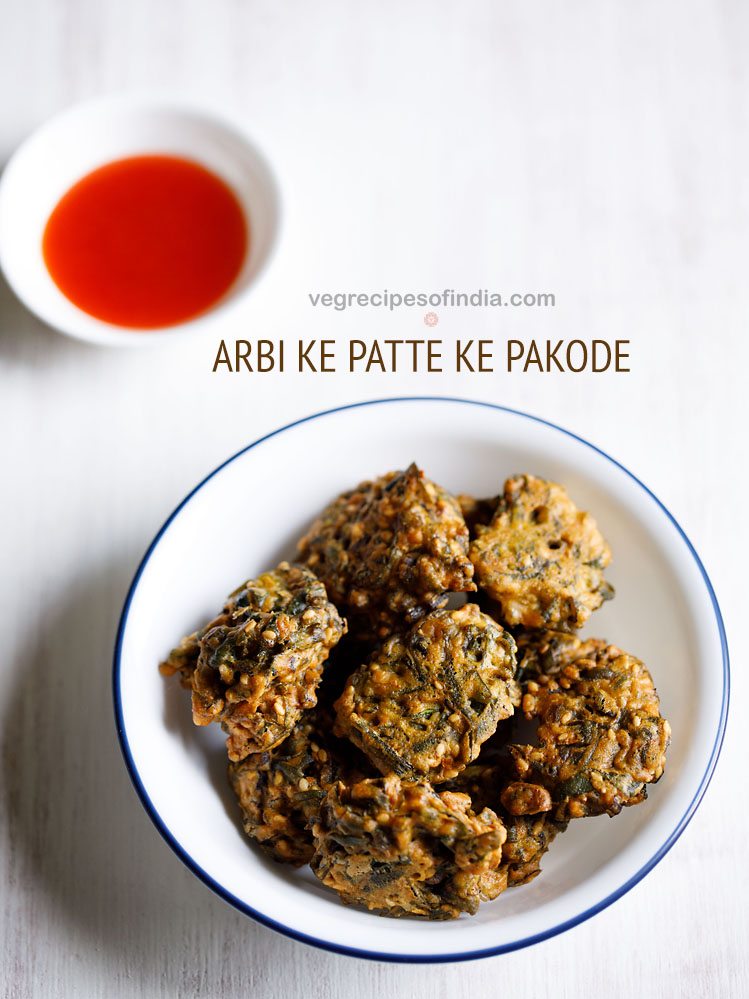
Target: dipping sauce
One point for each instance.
(146, 241)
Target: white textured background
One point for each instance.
(594, 149)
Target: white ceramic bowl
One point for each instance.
(248, 513)
(89, 135)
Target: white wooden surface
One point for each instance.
(594, 149)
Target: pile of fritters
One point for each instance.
(371, 721)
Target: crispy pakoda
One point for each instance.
(528, 839)
(601, 736)
(428, 699)
(280, 790)
(183, 659)
(260, 661)
(390, 551)
(401, 849)
(422, 757)
(541, 558)
(528, 835)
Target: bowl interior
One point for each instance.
(86, 137)
(249, 514)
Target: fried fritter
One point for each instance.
(390, 551)
(427, 700)
(261, 660)
(335, 746)
(541, 558)
(401, 849)
(528, 836)
(549, 651)
(528, 839)
(601, 737)
(183, 659)
(280, 790)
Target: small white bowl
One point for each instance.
(87, 136)
(248, 514)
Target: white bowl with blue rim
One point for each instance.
(248, 513)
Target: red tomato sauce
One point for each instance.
(146, 241)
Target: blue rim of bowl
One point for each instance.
(417, 958)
